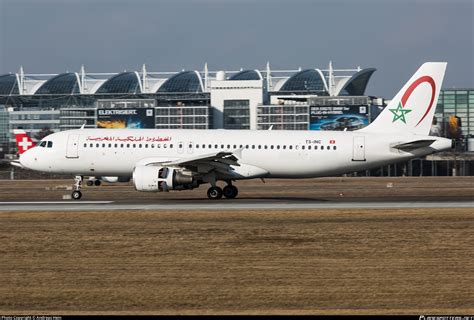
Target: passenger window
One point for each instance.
(85, 145)
(284, 147)
(265, 147)
(158, 145)
(228, 146)
(246, 146)
(241, 146)
(278, 147)
(128, 145)
(271, 147)
(121, 145)
(253, 146)
(303, 147)
(134, 145)
(152, 145)
(97, 145)
(197, 146)
(110, 145)
(235, 147)
(165, 145)
(215, 146)
(334, 148)
(91, 145)
(260, 146)
(103, 145)
(291, 147)
(146, 145)
(140, 145)
(171, 146)
(222, 146)
(309, 147)
(203, 146)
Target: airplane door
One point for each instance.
(358, 153)
(72, 146)
(190, 147)
(180, 147)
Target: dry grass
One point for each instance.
(232, 262)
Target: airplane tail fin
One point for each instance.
(23, 141)
(413, 107)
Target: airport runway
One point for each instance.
(244, 204)
(313, 246)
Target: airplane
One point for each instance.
(160, 160)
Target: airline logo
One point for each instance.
(401, 111)
(23, 141)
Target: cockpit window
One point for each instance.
(50, 144)
(42, 144)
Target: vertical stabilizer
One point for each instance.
(23, 141)
(412, 109)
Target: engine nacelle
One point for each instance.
(156, 179)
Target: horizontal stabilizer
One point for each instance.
(412, 145)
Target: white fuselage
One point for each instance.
(269, 154)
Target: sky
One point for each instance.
(394, 36)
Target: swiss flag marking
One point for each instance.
(23, 142)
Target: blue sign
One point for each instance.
(338, 118)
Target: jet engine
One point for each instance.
(156, 179)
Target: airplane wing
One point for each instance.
(412, 145)
(219, 161)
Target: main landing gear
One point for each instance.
(230, 192)
(93, 182)
(77, 194)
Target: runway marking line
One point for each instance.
(55, 202)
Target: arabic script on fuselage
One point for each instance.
(129, 139)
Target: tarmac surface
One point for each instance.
(316, 246)
(192, 205)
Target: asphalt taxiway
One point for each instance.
(225, 205)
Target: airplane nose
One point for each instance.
(27, 159)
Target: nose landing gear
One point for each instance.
(77, 194)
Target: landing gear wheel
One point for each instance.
(90, 183)
(214, 193)
(230, 191)
(76, 195)
(97, 182)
